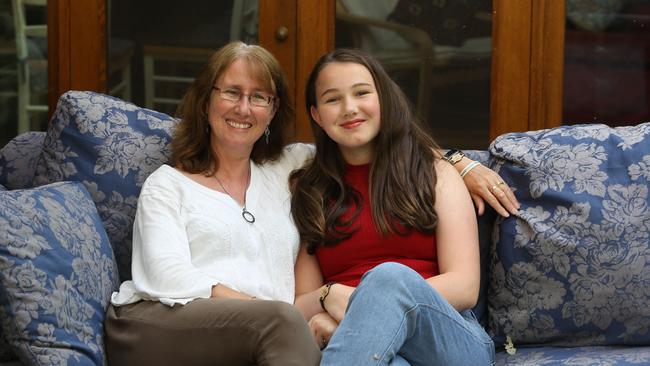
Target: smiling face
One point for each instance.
(348, 110)
(236, 125)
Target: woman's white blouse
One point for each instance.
(188, 238)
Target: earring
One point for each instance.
(207, 128)
(267, 132)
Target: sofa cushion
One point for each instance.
(57, 272)
(112, 147)
(592, 356)
(6, 354)
(18, 160)
(573, 268)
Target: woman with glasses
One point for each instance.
(213, 237)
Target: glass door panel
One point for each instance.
(607, 62)
(23, 67)
(156, 48)
(439, 52)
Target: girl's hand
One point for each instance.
(322, 327)
(337, 300)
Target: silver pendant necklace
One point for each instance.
(248, 217)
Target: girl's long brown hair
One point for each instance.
(402, 174)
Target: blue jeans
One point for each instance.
(396, 318)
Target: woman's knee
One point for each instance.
(282, 313)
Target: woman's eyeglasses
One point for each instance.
(257, 99)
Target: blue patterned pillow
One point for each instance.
(6, 354)
(574, 267)
(57, 272)
(18, 160)
(112, 147)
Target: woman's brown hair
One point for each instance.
(402, 174)
(191, 149)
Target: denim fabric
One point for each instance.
(396, 318)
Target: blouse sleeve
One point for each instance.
(161, 266)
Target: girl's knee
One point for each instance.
(391, 272)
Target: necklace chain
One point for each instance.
(248, 217)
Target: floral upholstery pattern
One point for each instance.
(574, 267)
(18, 160)
(111, 146)
(52, 314)
(578, 356)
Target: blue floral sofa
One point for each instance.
(566, 282)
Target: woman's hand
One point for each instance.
(322, 327)
(337, 300)
(485, 185)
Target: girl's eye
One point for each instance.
(363, 92)
(331, 99)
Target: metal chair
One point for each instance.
(182, 62)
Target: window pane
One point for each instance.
(23, 67)
(606, 66)
(156, 48)
(439, 52)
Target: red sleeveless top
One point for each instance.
(347, 261)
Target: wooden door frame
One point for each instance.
(76, 45)
(527, 65)
(311, 34)
(527, 62)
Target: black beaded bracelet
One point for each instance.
(325, 290)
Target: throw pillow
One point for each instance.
(18, 160)
(111, 146)
(57, 273)
(6, 354)
(573, 268)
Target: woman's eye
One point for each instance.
(234, 93)
(258, 97)
(363, 92)
(331, 99)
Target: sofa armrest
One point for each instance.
(18, 160)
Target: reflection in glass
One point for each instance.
(23, 67)
(439, 52)
(159, 46)
(607, 63)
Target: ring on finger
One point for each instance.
(500, 183)
(494, 187)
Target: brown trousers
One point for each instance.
(209, 332)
